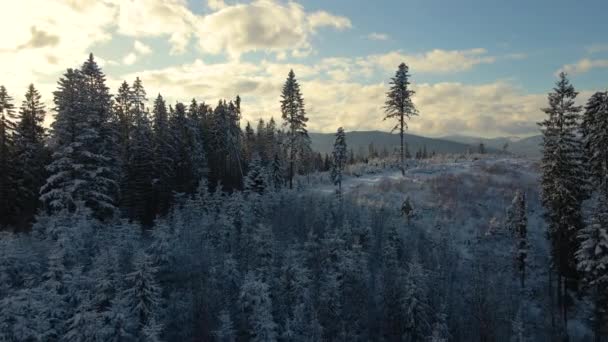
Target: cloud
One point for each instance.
(434, 61)
(40, 39)
(492, 109)
(157, 18)
(377, 36)
(263, 25)
(142, 48)
(216, 4)
(583, 66)
(322, 19)
(129, 59)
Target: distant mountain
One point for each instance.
(360, 141)
(529, 147)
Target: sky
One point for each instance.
(479, 67)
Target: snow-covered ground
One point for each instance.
(465, 201)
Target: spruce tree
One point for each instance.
(294, 114)
(33, 155)
(592, 258)
(399, 105)
(339, 155)
(164, 154)
(517, 223)
(8, 172)
(83, 166)
(139, 166)
(563, 183)
(594, 128)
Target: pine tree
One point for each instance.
(339, 158)
(143, 293)
(256, 180)
(563, 183)
(399, 105)
(8, 172)
(83, 166)
(138, 183)
(256, 305)
(517, 222)
(33, 154)
(123, 119)
(594, 127)
(163, 146)
(592, 258)
(294, 114)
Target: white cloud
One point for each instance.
(142, 48)
(129, 59)
(583, 66)
(322, 18)
(492, 109)
(216, 4)
(263, 25)
(434, 61)
(377, 36)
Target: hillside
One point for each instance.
(360, 140)
(528, 147)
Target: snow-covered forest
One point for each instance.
(131, 219)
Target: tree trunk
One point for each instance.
(401, 155)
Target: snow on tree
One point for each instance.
(592, 258)
(399, 105)
(225, 331)
(33, 155)
(563, 183)
(142, 295)
(594, 127)
(139, 166)
(83, 166)
(256, 180)
(8, 172)
(163, 147)
(339, 155)
(517, 223)
(294, 115)
(256, 310)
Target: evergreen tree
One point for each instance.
(399, 105)
(225, 332)
(517, 223)
(339, 158)
(123, 119)
(33, 154)
(294, 114)
(8, 172)
(256, 306)
(592, 258)
(163, 147)
(143, 293)
(83, 166)
(595, 137)
(256, 180)
(138, 183)
(563, 183)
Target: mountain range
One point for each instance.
(359, 141)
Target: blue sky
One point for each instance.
(478, 67)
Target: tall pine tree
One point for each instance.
(563, 184)
(8, 172)
(399, 105)
(33, 155)
(294, 114)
